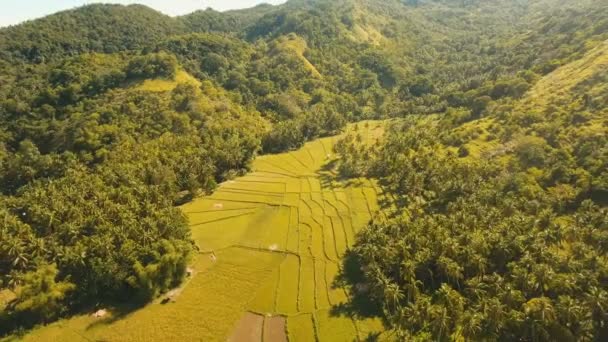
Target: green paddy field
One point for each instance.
(271, 246)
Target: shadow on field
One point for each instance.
(360, 304)
(119, 312)
(327, 173)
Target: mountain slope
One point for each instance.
(481, 236)
(585, 76)
(93, 28)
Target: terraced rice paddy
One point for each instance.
(271, 245)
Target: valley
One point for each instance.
(270, 251)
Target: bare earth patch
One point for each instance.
(100, 313)
(274, 329)
(249, 328)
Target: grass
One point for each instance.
(558, 84)
(210, 205)
(336, 294)
(206, 298)
(340, 240)
(161, 85)
(372, 199)
(315, 203)
(305, 186)
(306, 293)
(288, 286)
(276, 229)
(297, 45)
(330, 204)
(322, 297)
(317, 246)
(315, 185)
(202, 218)
(349, 233)
(304, 206)
(293, 186)
(343, 202)
(6, 296)
(371, 329)
(265, 299)
(329, 240)
(332, 328)
(293, 242)
(224, 233)
(258, 230)
(279, 234)
(305, 239)
(301, 328)
(255, 185)
(358, 201)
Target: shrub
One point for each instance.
(153, 65)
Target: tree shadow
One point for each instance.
(389, 205)
(360, 304)
(119, 311)
(327, 173)
(14, 327)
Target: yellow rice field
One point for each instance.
(270, 243)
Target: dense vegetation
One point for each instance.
(505, 247)
(110, 116)
(495, 220)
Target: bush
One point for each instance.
(286, 135)
(155, 65)
(41, 296)
(463, 151)
(162, 274)
(532, 151)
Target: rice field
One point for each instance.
(270, 249)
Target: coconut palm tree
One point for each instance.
(540, 314)
(441, 321)
(393, 296)
(470, 325)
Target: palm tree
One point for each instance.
(494, 311)
(596, 300)
(393, 296)
(470, 325)
(571, 313)
(540, 315)
(441, 322)
(18, 253)
(408, 276)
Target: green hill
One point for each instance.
(93, 28)
(481, 238)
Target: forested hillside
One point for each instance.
(496, 171)
(496, 222)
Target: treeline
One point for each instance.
(494, 222)
(496, 228)
(91, 168)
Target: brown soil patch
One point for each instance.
(248, 329)
(274, 329)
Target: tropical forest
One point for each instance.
(317, 170)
